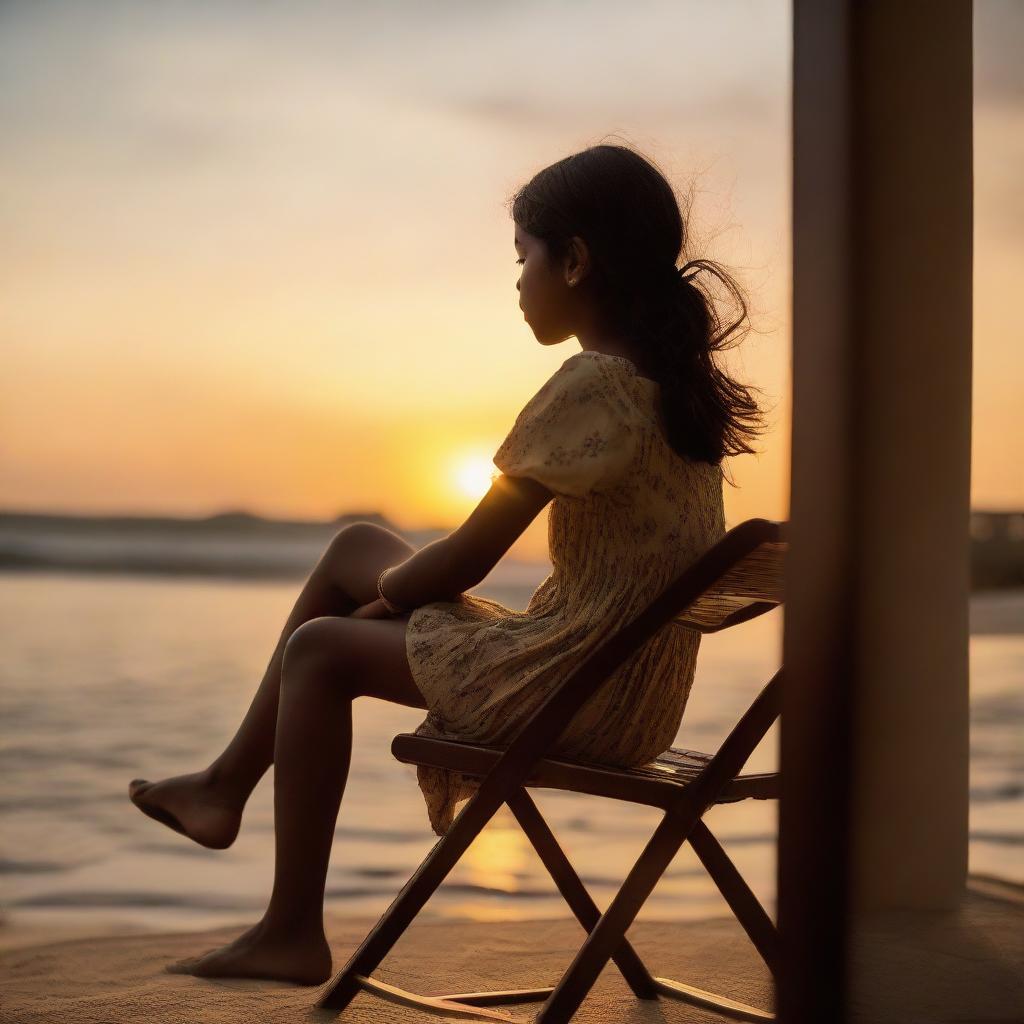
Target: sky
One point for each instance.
(258, 255)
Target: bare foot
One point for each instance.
(191, 805)
(257, 953)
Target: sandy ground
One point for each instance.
(962, 966)
(122, 978)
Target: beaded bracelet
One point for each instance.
(390, 605)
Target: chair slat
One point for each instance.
(656, 783)
(757, 579)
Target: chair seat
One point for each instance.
(656, 783)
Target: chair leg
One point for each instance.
(407, 904)
(610, 930)
(575, 894)
(675, 828)
(744, 904)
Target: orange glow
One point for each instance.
(498, 857)
(474, 475)
(293, 297)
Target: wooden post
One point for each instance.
(874, 735)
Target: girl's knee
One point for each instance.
(357, 536)
(314, 650)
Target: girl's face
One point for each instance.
(545, 297)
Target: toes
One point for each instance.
(188, 964)
(182, 966)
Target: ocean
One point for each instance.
(106, 677)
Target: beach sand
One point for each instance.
(932, 967)
(122, 978)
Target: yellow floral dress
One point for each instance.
(628, 516)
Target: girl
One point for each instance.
(626, 440)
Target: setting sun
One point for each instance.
(474, 475)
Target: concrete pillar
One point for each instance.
(875, 719)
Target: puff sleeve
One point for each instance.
(574, 436)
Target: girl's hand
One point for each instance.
(374, 610)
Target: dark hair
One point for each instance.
(622, 206)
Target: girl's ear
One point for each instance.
(577, 260)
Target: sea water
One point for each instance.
(108, 677)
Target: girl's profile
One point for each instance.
(624, 444)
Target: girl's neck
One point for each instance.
(610, 346)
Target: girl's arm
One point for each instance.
(431, 574)
(445, 568)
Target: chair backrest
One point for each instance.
(742, 577)
(750, 580)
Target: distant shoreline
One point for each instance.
(228, 545)
(232, 522)
(244, 547)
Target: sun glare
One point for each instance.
(474, 475)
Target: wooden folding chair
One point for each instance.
(739, 578)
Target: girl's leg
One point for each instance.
(207, 805)
(327, 663)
